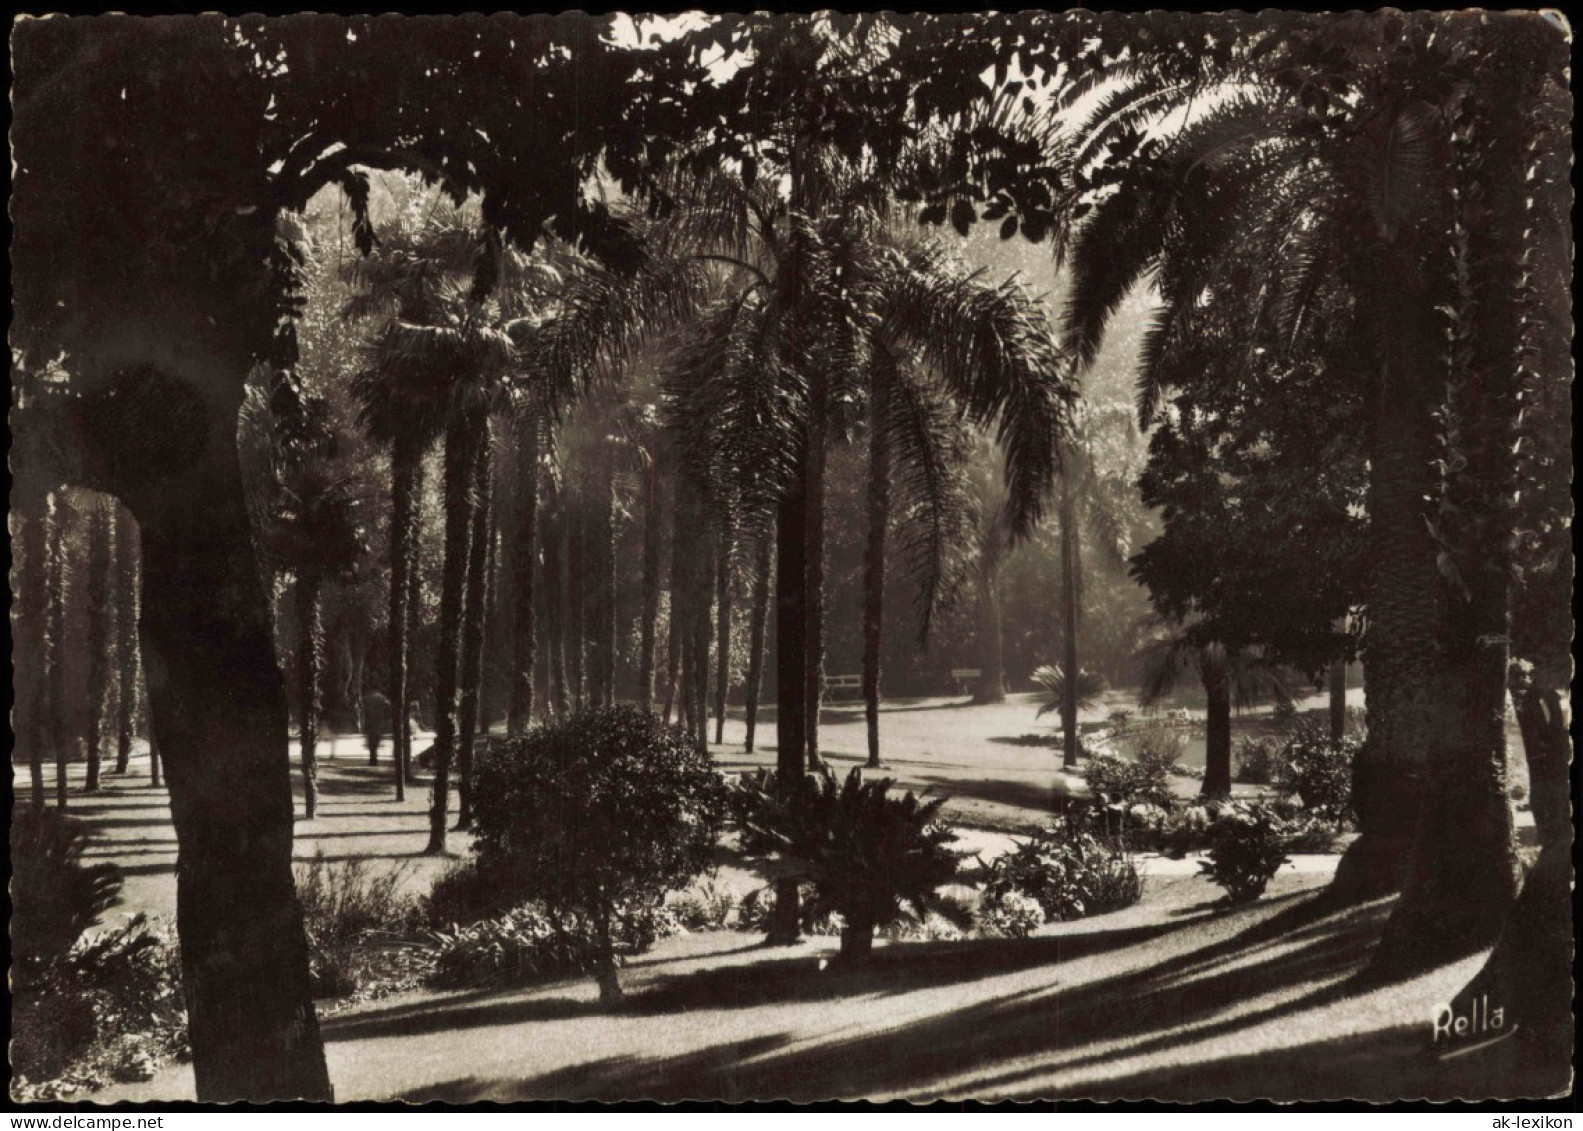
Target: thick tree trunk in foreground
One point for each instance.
(523, 555)
(874, 551)
(101, 641)
(404, 461)
(857, 939)
(650, 611)
(126, 647)
(722, 632)
(1403, 677)
(461, 454)
(475, 606)
(791, 659)
(756, 625)
(1217, 731)
(219, 723)
(310, 673)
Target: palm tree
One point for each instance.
(59, 579)
(128, 654)
(32, 612)
(757, 621)
(1231, 677)
(101, 641)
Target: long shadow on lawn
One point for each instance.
(1036, 796)
(896, 969)
(1185, 999)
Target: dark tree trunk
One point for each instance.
(310, 673)
(414, 624)
(475, 606)
(756, 626)
(857, 939)
(126, 647)
(1403, 676)
(55, 643)
(218, 710)
(649, 615)
(1337, 681)
(1217, 730)
(101, 640)
(674, 630)
(1462, 873)
(576, 581)
(874, 553)
(791, 661)
(609, 531)
(1071, 581)
(35, 604)
(722, 631)
(813, 595)
(522, 556)
(462, 438)
(405, 459)
(555, 608)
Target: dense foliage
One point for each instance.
(1246, 849)
(1066, 870)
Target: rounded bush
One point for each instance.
(1247, 846)
(602, 812)
(1067, 871)
(1318, 769)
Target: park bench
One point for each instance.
(852, 683)
(961, 677)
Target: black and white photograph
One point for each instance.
(791, 557)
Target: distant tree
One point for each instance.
(127, 651)
(101, 638)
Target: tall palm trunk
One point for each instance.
(791, 661)
(757, 623)
(414, 623)
(675, 630)
(405, 459)
(1462, 874)
(101, 640)
(814, 594)
(555, 607)
(1403, 676)
(874, 553)
(722, 630)
(55, 644)
(650, 604)
(576, 581)
(475, 606)
(462, 438)
(1071, 580)
(218, 709)
(127, 653)
(608, 531)
(35, 582)
(1213, 671)
(310, 675)
(522, 556)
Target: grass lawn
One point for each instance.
(1174, 997)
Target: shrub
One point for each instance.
(1285, 713)
(463, 894)
(343, 900)
(1318, 770)
(111, 1009)
(1118, 782)
(1246, 849)
(755, 911)
(607, 809)
(705, 908)
(1256, 761)
(1010, 915)
(866, 853)
(1051, 678)
(531, 943)
(55, 897)
(1067, 871)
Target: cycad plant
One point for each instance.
(871, 857)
